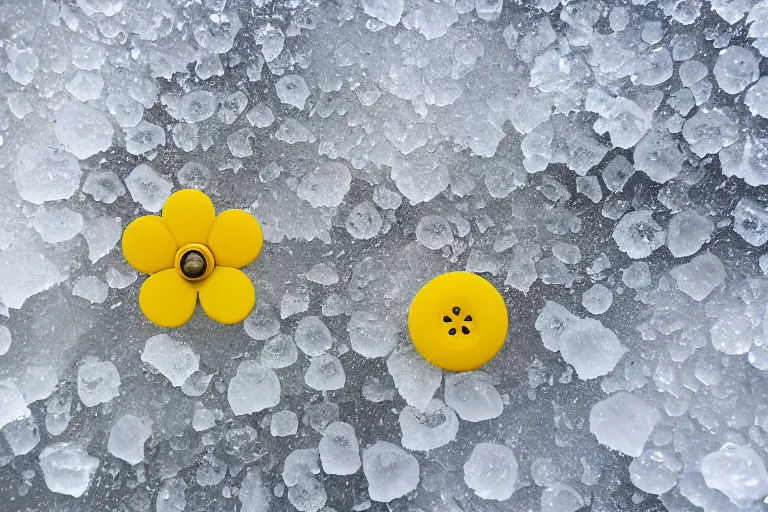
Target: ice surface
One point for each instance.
(97, 382)
(381, 143)
(148, 188)
(253, 389)
(391, 471)
(127, 437)
(67, 468)
(175, 360)
(472, 396)
(262, 323)
(435, 426)
(623, 422)
(731, 335)
(339, 451)
(192, 107)
(312, 336)
(83, 130)
(491, 471)
(736, 471)
(57, 224)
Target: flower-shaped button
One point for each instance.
(189, 251)
(458, 321)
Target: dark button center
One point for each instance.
(193, 264)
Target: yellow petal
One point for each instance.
(227, 296)
(167, 299)
(189, 216)
(235, 238)
(148, 245)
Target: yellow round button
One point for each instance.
(458, 321)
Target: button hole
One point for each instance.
(452, 331)
(456, 310)
(447, 319)
(468, 318)
(464, 329)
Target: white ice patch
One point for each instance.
(391, 471)
(24, 272)
(127, 438)
(736, 471)
(83, 130)
(97, 382)
(623, 422)
(148, 188)
(12, 404)
(339, 450)
(472, 396)
(415, 379)
(67, 468)
(426, 430)
(45, 174)
(253, 389)
(491, 471)
(175, 360)
(326, 185)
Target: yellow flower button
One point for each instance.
(458, 321)
(189, 251)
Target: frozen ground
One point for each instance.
(603, 163)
